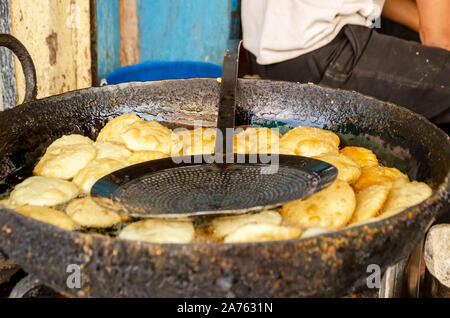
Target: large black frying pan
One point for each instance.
(333, 264)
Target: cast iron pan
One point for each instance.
(329, 265)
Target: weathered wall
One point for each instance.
(129, 32)
(108, 36)
(183, 30)
(57, 35)
(56, 32)
(132, 31)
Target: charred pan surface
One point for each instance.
(328, 265)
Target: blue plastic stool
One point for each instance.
(160, 70)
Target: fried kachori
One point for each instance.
(43, 191)
(64, 162)
(48, 215)
(222, 226)
(331, 207)
(198, 141)
(86, 212)
(112, 150)
(406, 195)
(254, 140)
(95, 170)
(261, 233)
(151, 135)
(113, 130)
(159, 231)
(369, 202)
(348, 170)
(361, 156)
(379, 176)
(310, 141)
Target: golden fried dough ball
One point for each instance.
(369, 202)
(43, 191)
(94, 171)
(310, 141)
(380, 176)
(112, 131)
(48, 215)
(257, 140)
(87, 213)
(223, 226)
(314, 147)
(159, 231)
(348, 170)
(151, 135)
(112, 150)
(145, 155)
(64, 162)
(302, 133)
(69, 140)
(262, 233)
(197, 141)
(362, 156)
(406, 195)
(332, 207)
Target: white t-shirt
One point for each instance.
(279, 30)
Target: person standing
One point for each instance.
(335, 43)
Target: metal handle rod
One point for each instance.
(227, 101)
(26, 61)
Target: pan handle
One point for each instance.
(26, 61)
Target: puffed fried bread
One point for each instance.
(348, 170)
(159, 231)
(406, 195)
(87, 213)
(301, 133)
(262, 233)
(314, 147)
(150, 135)
(254, 140)
(369, 202)
(112, 150)
(48, 215)
(223, 226)
(197, 141)
(361, 156)
(64, 162)
(310, 141)
(379, 176)
(69, 140)
(94, 171)
(43, 191)
(112, 131)
(331, 207)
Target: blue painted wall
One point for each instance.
(194, 30)
(169, 30)
(108, 36)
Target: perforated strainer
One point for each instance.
(231, 184)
